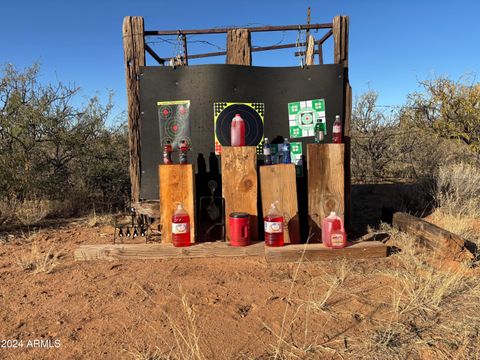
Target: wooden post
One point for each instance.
(320, 53)
(176, 184)
(340, 38)
(239, 47)
(239, 184)
(134, 55)
(325, 183)
(278, 183)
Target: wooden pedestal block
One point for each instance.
(326, 183)
(239, 184)
(176, 185)
(278, 183)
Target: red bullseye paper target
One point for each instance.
(253, 117)
(174, 122)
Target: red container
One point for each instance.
(180, 227)
(237, 131)
(239, 229)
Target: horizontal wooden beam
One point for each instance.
(165, 251)
(318, 252)
(251, 29)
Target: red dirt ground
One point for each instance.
(113, 310)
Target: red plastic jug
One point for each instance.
(239, 229)
(237, 131)
(333, 232)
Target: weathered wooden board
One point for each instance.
(165, 251)
(326, 183)
(318, 252)
(176, 184)
(239, 184)
(279, 183)
(447, 244)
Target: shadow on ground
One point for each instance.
(376, 203)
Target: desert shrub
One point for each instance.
(436, 127)
(57, 152)
(458, 189)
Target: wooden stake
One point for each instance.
(134, 55)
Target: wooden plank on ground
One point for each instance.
(318, 252)
(176, 185)
(165, 251)
(447, 244)
(239, 184)
(279, 183)
(326, 183)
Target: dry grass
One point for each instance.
(186, 335)
(420, 309)
(426, 310)
(95, 219)
(36, 261)
(458, 189)
(31, 212)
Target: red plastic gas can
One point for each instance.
(239, 229)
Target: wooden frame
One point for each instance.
(239, 51)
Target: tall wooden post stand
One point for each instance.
(176, 185)
(239, 184)
(340, 38)
(278, 183)
(326, 183)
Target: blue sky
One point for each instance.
(393, 44)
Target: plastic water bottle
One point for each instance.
(287, 158)
(319, 132)
(273, 222)
(337, 130)
(237, 131)
(180, 227)
(267, 152)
